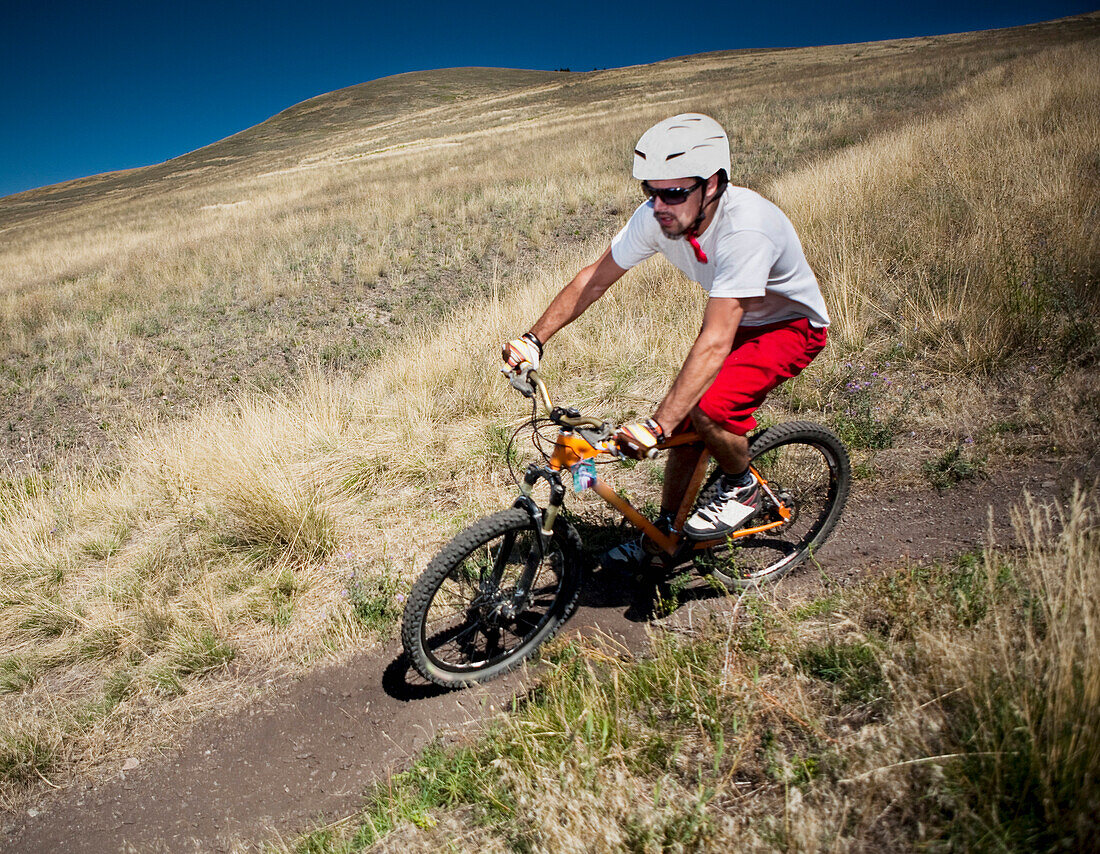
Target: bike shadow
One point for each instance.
(648, 597)
(403, 683)
(644, 595)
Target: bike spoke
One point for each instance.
(475, 619)
(802, 474)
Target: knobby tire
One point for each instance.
(457, 629)
(807, 463)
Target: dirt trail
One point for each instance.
(308, 749)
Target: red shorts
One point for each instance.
(761, 358)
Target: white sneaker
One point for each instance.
(722, 509)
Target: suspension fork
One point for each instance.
(542, 524)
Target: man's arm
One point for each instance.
(721, 318)
(570, 303)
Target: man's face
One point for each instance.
(676, 219)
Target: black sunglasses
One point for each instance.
(671, 195)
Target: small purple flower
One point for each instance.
(399, 598)
(969, 441)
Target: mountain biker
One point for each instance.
(764, 320)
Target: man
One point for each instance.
(764, 320)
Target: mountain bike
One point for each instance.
(504, 586)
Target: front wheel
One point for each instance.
(806, 467)
(490, 598)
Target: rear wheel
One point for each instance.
(806, 467)
(469, 617)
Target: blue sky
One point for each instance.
(91, 87)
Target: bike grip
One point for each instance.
(520, 381)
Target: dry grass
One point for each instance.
(314, 238)
(948, 238)
(227, 537)
(946, 707)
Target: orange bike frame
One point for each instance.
(570, 449)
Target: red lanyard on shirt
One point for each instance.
(700, 255)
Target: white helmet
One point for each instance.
(683, 146)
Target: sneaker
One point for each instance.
(625, 557)
(722, 509)
(634, 554)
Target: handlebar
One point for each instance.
(530, 385)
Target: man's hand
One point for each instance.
(525, 349)
(639, 440)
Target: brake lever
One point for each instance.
(520, 381)
(649, 455)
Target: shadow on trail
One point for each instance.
(644, 595)
(401, 682)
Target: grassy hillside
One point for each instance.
(314, 238)
(249, 391)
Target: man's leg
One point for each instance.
(679, 467)
(730, 450)
(761, 359)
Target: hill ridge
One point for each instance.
(284, 125)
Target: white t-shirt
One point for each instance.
(752, 251)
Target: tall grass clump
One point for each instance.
(951, 238)
(262, 492)
(1027, 722)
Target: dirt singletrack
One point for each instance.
(306, 750)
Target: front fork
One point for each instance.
(543, 522)
(542, 526)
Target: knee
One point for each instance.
(703, 423)
(713, 431)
